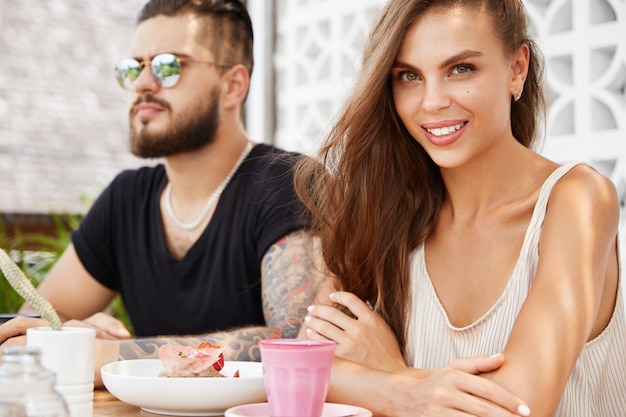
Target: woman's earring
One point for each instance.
(516, 94)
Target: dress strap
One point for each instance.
(548, 185)
(529, 252)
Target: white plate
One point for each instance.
(329, 410)
(137, 382)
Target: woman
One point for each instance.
(432, 207)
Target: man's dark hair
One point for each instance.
(228, 26)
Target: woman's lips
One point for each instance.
(441, 134)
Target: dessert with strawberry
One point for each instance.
(184, 361)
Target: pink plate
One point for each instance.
(330, 410)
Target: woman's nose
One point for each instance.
(436, 97)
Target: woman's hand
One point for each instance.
(477, 393)
(456, 389)
(451, 391)
(362, 336)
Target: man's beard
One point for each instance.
(187, 133)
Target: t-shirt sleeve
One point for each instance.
(94, 239)
(282, 212)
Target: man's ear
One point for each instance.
(236, 84)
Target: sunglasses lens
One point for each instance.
(167, 69)
(127, 72)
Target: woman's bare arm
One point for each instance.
(573, 294)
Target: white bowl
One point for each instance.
(137, 382)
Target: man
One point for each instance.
(210, 242)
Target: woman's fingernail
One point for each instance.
(310, 308)
(495, 355)
(523, 410)
(309, 331)
(331, 295)
(307, 318)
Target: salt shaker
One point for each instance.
(26, 387)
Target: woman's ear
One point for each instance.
(236, 84)
(519, 69)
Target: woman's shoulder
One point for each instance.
(582, 188)
(581, 180)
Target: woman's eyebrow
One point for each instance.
(403, 65)
(463, 55)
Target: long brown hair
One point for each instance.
(373, 192)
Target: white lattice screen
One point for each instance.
(318, 44)
(318, 49)
(584, 44)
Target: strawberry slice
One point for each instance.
(219, 363)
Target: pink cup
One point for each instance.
(296, 374)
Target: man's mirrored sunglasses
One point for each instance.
(165, 68)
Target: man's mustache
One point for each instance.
(149, 98)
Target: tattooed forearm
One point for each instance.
(240, 344)
(291, 278)
(140, 348)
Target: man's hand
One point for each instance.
(107, 326)
(13, 332)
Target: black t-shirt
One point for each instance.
(217, 285)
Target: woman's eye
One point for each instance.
(462, 69)
(407, 76)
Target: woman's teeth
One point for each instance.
(442, 131)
